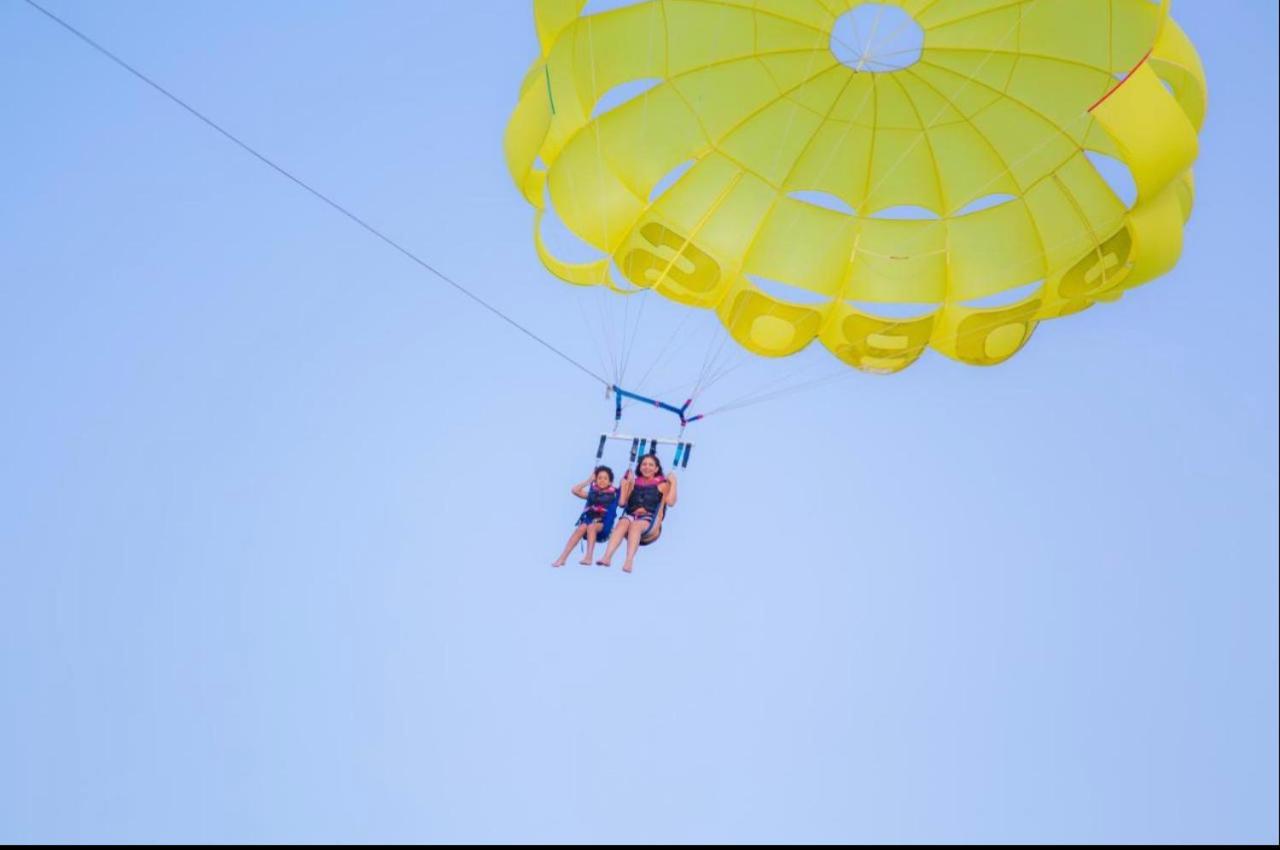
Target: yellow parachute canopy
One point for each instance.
(762, 154)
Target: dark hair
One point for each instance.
(606, 470)
(655, 460)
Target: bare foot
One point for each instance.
(557, 563)
(603, 564)
(626, 567)
(586, 562)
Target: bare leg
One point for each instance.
(634, 533)
(615, 540)
(568, 547)
(592, 531)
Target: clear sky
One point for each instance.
(276, 507)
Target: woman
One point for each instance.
(646, 497)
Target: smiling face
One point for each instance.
(604, 479)
(648, 467)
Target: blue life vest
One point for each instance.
(646, 495)
(601, 507)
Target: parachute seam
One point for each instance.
(1008, 168)
(1021, 55)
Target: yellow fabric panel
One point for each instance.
(1135, 28)
(1055, 91)
(629, 44)
(591, 198)
(524, 138)
(1074, 32)
(1095, 203)
(899, 262)
(641, 158)
(969, 166)
(775, 32)
(1032, 146)
(813, 14)
(902, 173)
(1156, 227)
(701, 88)
(582, 274)
(550, 17)
(993, 250)
(821, 270)
(985, 336)
(765, 325)
(971, 24)
(971, 79)
(1176, 62)
(757, 143)
(704, 34)
(1066, 233)
(1004, 99)
(875, 344)
(1186, 190)
(1156, 139)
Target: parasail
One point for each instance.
(766, 160)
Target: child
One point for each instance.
(602, 501)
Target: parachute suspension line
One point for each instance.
(669, 349)
(712, 368)
(630, 331)
(620, 354)
(311, 190)
(636, 331)
(602, 305)
(596, 343)
(871, 39)
(604, 308)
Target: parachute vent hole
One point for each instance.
(1116, 175)
(597, 7)
(1006, 298)
(620, 281)
(986, 202)
(826, 200)
(669, 179)
(622, 93)
(788, 292)
(562, 242)
(899, 312)
(877, 38)
(906, 213)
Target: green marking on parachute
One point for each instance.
(550, 97)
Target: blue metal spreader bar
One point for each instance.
(682, 411)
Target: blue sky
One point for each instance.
(277, 506)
